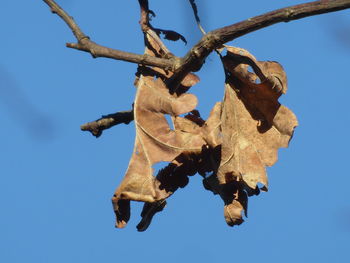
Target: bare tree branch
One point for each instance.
(100, 51)
(194, 59)
(96, 50)
(56, 9)
(107, 121)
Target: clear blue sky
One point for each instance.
(56, 181)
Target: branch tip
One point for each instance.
(107, 121)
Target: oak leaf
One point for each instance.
(233, 146)
(155, 141)
(253, 125)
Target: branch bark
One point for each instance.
(97, 127)
(195, 58)
(96, 50)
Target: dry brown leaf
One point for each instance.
(212, 128)
(240, 138)
(253, 126)
(155, 142)
(170, 178)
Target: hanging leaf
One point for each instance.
(155, 142)
(253, 126)
(240, 138)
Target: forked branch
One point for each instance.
(195, 58)
(96, 50)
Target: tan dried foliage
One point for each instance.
(155, 141)
(240, 138)
(253, 126)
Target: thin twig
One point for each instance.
(100, 51)
(144, 20)
(96, 50)
(107, 121)
(196, 16)
(147, 28)
(56, 9)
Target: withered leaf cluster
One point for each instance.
(230, 150)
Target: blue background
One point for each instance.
(56, 181)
